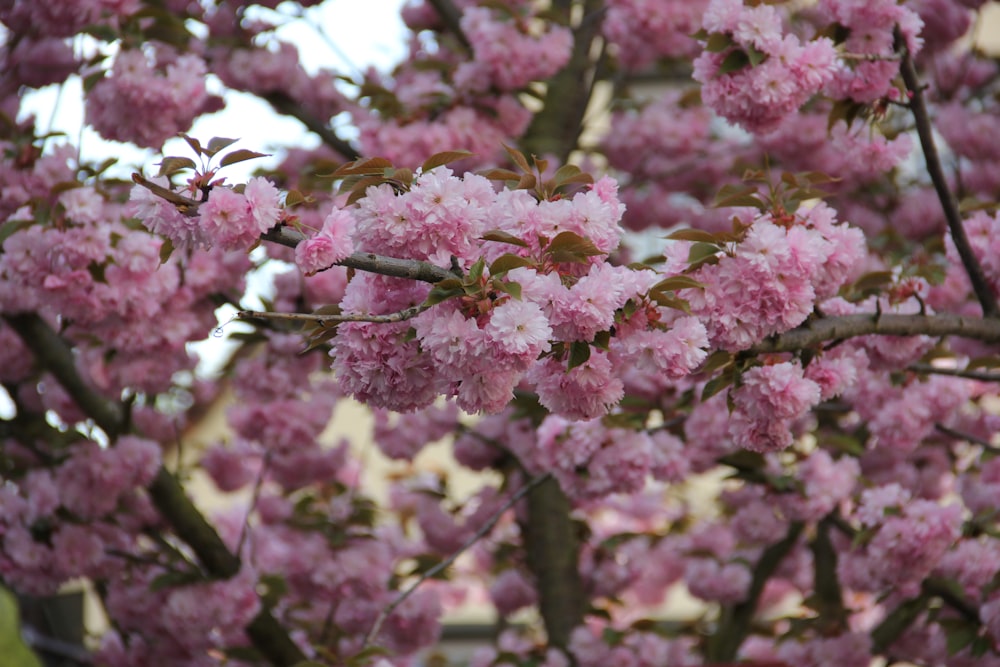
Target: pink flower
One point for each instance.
(519, 328)
(226, 220)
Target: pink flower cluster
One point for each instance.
(330, 245)
(871, 27)
(413, 138)
(227, 219)
(767, 403)
(786, 74)
(147, 99)
(507, 54)
(645, 30)
(479, 350)
(772, 280)
(911, 536)
(56, 525)
(591, 460)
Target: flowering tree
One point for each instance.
(817, 330)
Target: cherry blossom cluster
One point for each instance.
(773, 278)
(871, 30)
(854, 477)
(758, 75)
(148, 98)
(508, 53)
(645, 31)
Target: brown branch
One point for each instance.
(984, 292)
(982, 376)
(842, 327)
(452, 18)
(411, 269)
(323, 320)
(734, 625)
(447, 562)
(283, 103)
(556, 129)
(968, 437)
(552, 543)
(55, 356)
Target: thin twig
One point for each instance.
(447, 562)
(283, 103)
(323, 320)
(185, 205)
(968, 437)
(984, 292)
(955, 372)
(245, 530)
(871, 57)
(361, 261)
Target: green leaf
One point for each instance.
(475, 273)
(242, 155)
(717, 384)
(166, 250)
(718, 42)
(508, 261)
(193, 143)
(500, 175)
(443, 158)
(7, 229)
(674, 302)
(873, 280)
(738, 195)
(734, 62)
(444, 290)
(579, 353)
(701, 251)
(216, 144)
(756, 57)
(372, 165)
(517, 157)
(715, 361)
(509, 287)
(571, 247)
(744, 459)
(674, 283)
(173, 579)
(696, 235)
(172, 164)
(503, 237)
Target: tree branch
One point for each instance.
(951, 213)
(323, 320)
(982, 376)
(555, 130)
(55, 356)
(283, 103)
(735, 622)
(447, 562)
(452, 18)
(849, 326)
(553, 554)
